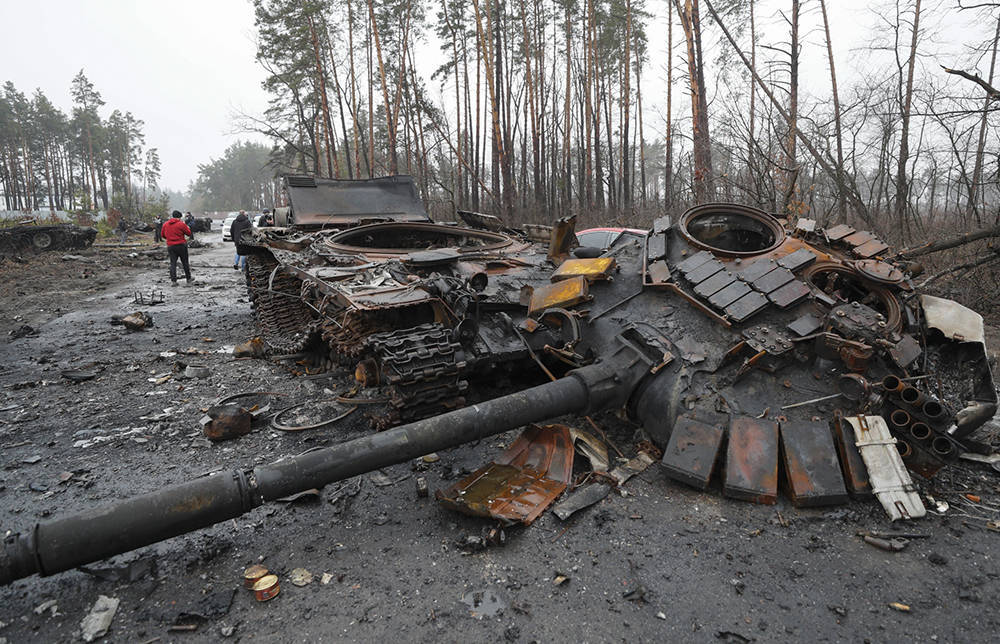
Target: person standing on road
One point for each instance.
(174, 231)
(157, 226)
(123, 229)
(241, 223)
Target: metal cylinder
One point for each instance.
(920, 431)
(899, 420)
(97, 534)
(892, 384)
(911, 396)
(904, 449)
(942, 446)
(933, 410)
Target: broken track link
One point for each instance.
(286, 323)
(423, 368)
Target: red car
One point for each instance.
(603, 238)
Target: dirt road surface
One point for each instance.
(655, 561)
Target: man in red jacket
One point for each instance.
(174, 231)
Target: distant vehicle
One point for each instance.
(227, 225)
(603, 238)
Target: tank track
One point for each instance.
(285, 323)
(423, 368)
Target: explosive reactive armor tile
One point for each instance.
(691, 454)
(746, 306)
(715, 283)
(858, 238)
(730, 294)
(693, 262)
(805, 325)
(838, 232)
(853, 467)
(519, 485)
(812, 470)
(789, 294)
(591, 269)
(799, 259)
(773, 280)
(562, 294)
(757, 269)
(706, 270)
(752, 460)
(871, 248)
(659, 272)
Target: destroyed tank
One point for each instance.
(31, 237)
(750, 350)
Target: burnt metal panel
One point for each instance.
(757, 269)
(691, 454)
(871, 248)
(789, 294)
(318, 200)
(859, 238)
(747, 306)
(799, 259)
(812, 471)
(773, 280)
(806, 325)
(693, 262)
(659, 272)
(851, 464)
(656, 246)
(703, 272)
(519, 485)
(715, 283)
(730, 294)
(838, 232)
(752, 460)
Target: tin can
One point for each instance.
(266, 587)
(252, 574)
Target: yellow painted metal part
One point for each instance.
(597, 268)
(562, 294)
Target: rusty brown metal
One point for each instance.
(852, 465)
(522, 482)
(252, 574)
(812, 471)
(227, 421)
(692, 452)
(752, 460)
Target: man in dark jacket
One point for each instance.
(241, 223)
(174, 231)
(157, 226)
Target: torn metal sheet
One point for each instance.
(890, 481)
(812, 470)
(752, 460)
(853, 466)
(519, 485)
(952, 319)
(581, 498)
(560, 295)
(591, 448)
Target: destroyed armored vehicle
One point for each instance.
(752, 351)
(32, 237)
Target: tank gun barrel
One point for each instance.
(66, 543)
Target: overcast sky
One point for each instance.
(182, 66)
(185, 66)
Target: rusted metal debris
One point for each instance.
(522, 482)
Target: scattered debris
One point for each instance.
(79, 375)
(22, 331)
(96, 624)
(128, 572)
(559, 579)
(300, 577)
(903, 608)
(197, 371)
(137, 321)
(890, 481)
(325, 578)
(889, 545)
(50, 606)
(312, 494)
(254, 348)
(422, 490)
(226, 422)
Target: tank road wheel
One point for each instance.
(41, 240)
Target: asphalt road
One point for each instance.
(655, 561)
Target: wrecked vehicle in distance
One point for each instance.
(36, 238)
(750, 350)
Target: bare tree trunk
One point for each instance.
(567, 124)
(390, 126)
(702, 175)
(972, 207)
(793, 111)
(626, 107)
(668, 164)
(752, 122)
(902, 185)
(642, 137)
(354, 99)
(838, 132)
(321, 82)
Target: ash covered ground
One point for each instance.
(654, 561)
